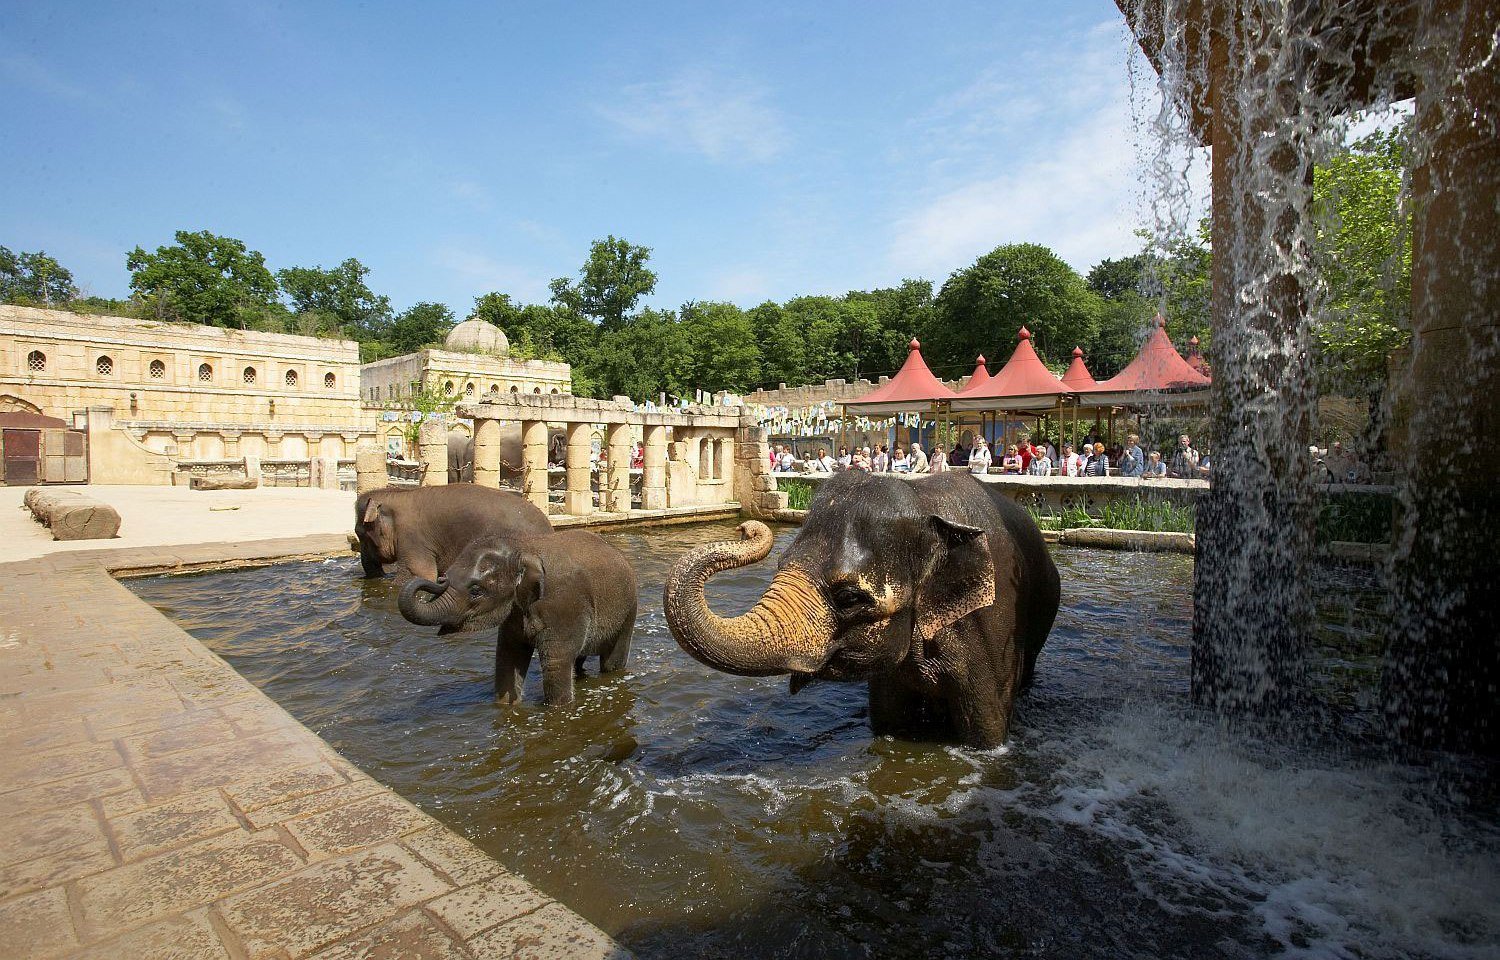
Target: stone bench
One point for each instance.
(71, 515)
(224, 483)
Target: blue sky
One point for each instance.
(762, 150)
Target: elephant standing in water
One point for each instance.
(568, 595)
(425, 528)
(937, 592)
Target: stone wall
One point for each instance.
(839, 391)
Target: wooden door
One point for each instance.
(22, 452)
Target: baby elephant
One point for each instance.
(568, 595)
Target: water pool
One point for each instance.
(691, 813)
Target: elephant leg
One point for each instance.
(557, 672)
(980, 706)
(512, 660)
(578, 667)
(612, 659)
(897, 710)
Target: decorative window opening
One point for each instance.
(448, 388)
(514, 389)
(157, 370)
(329, 380)
(205, 373)
(468, 390)
(536, 389)
(37, 361)
(104, 366)
(554, 389)
(291, 378)
(249, 375)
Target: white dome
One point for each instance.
(477, 336)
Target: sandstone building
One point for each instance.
(475, 361)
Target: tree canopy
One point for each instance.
(34, 278)
(204, 278)
(340, 294)
(613, 280)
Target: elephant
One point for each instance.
(568, 595)
(461, 455)
(938, 593)
(425, 528)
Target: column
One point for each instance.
(432, 446)
(654, 474)
(487, 453)
(579, 500)
(617, 483)
(231, 444)
(534, 462)
(1442, 667)
(369, 468)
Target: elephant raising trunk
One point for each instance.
(789, 630)
(430, 604)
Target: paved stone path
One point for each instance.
(156, 804)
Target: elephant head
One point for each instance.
(479, 589)
(870, 580)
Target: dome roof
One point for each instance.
(479, 336)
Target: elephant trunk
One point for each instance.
(445, 606)
(789, 630)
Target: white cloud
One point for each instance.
(33, 73)
(719, 116)
(485, 273)
(1072, 176)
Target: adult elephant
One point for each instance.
(425, 528)
(461, 455)
(938, 592)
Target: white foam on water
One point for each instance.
(1333, 858)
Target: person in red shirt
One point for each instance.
(1026, 452)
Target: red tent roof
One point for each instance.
(979, 378)
(1024, 381)
(1157, 368)
(1195, 358)
(1078, 378)
(912, 388)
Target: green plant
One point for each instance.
(1144, 514)
(1355, 517)
(799, 493)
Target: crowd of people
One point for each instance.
(1032, 456)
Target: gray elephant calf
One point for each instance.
(567, 595)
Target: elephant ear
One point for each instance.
(372, 512)
(960, 578)
(530, 579)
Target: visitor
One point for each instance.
(1041, 464)
(1203, 466)
(845, 458)
(1011, 462)
(775, 456)
(1024, 449)
(919, 461)
(787, 461)
(882, 460)
(979, 457)
(1132, 460)
(637, 456)
(899, 462)
(939, 461)
(1184, 463)
(1072, 463)
(861, 459)
(1097, 464)
(824, 463)
(1155, 469)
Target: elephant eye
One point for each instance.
(850, 598)
(475, 590)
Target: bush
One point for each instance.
(1356, 517)
(799, 493)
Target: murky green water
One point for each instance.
(693, 814)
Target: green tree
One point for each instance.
(900, 313)
(1362, 248)
(536, 330)
(783, 351)
(34, 278)
(420, 325)
(1113, 279)
(720, 341)
(205, 278)
(981, 307)
(343, 295)
(646, 357)
(611, 283)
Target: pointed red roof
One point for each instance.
(1078, 378)
(1158, 368)
(1195, 358)
(1023, 382)
(912, 388)
(978, 378)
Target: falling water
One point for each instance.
(1272, 86)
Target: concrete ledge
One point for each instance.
(1153, 540)
(157, 802)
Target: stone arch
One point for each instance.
(10, 403)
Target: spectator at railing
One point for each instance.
(1132, 460)
(1184, 464)
(1025, 451)
(1097, 464)
(939, 461)
(919, 461)
(1012, 463)
(1072, 463)
(900, 462)
(979, 457)
(786, 461)
(861, 460)
(845, 458)
(881, 462)
(823, 463)
(1155, 469)
(1041, 465)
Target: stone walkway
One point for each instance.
(156, 804)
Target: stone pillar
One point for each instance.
(534, 462)
(325, 472)
(1442, 670)
(579, 500)
(487, 453)
(432, 444)
(231, 444)
(617, 483)
(369, 468)
(654, 472)
(252, 469)
(754, 487)
(184, 440)
(1254, 530)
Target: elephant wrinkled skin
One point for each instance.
(939, 593)
(567, 595)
